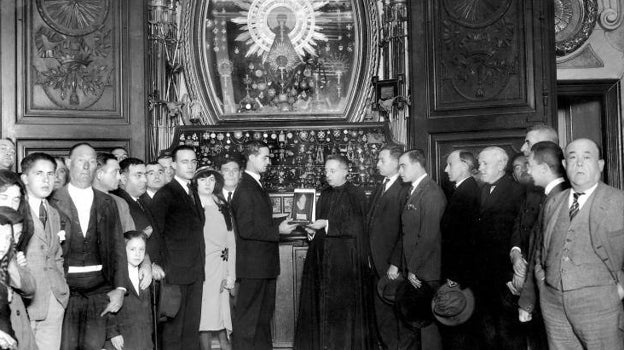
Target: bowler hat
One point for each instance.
(387, 288)
(452, 305)
(414, 304)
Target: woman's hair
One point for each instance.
(8, 179)
(217, 191)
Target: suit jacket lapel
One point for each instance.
(62, 201)
(552, 219)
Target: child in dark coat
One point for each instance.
(131, 328)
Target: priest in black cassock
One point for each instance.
(335, 309)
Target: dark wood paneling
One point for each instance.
(39, 58)
(486, 69)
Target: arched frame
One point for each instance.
(280, 60)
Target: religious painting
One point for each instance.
(279, 59)
(303, 206)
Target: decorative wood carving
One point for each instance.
(74, 57)
(61, 147)
(479, 53)
(574, 22)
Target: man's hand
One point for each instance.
(512, 289)
(116, 301)
(145, 276)
(118, 342)
(7, 342)
(620, 291)
(414, 280)
(524, 316)
(21, 259)
(157, 272)
(285, 228)
(519, 264)
(518, 282)
(311, 233)
(318, 224)
(393, 272)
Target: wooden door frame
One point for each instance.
(611, 118)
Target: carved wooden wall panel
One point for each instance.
(72, 61)
(73, 71)
(479, 65)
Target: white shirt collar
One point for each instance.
(417, 182)
(255, 176)
(225, 192)
(83, 200)
(35, 203)
(391, 181)
(552, 185)
(182, 182)
(581, 199)
(73, 190)
(150, 193)
(460, 181)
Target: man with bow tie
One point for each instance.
(582, 256)
(501, 198)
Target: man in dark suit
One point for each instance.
(257, 253)
(582, 257)
(457, 227)
(421, 241)
(179, 217)
(155, 174)
(132, 186)
(95, 260)
(546, 169)
(528, 216)
(384, 229)
(500, 201)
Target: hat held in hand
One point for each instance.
(452, 305)
(414, 304)
(387, 288)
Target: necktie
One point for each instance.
(385, 183)
(190, 192)
(574, 208)
(140, 205)
(43, 214)
(229, 198)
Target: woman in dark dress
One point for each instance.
(334, 309)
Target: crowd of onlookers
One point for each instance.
(107, 251)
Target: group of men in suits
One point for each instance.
(544, 260)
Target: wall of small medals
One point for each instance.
(298, 153)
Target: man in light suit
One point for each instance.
(257, 253)
(95, 261)
(44, 253)
(420, 220)
(180, 218)
(384, 230)
(546, 169)
(582, 256)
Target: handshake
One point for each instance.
(520, 272)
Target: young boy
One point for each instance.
(131, 328)
(44, 252)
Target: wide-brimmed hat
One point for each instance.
(413, 305)
(387, 288)
(452, 305)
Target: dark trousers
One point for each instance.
(499, 324)
(394, 334)
(255, 305)
(182, 331)
(83, 327)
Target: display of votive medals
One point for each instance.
(297, 155)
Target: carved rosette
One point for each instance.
(479, 54)
(72, 59)
(574, 22)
